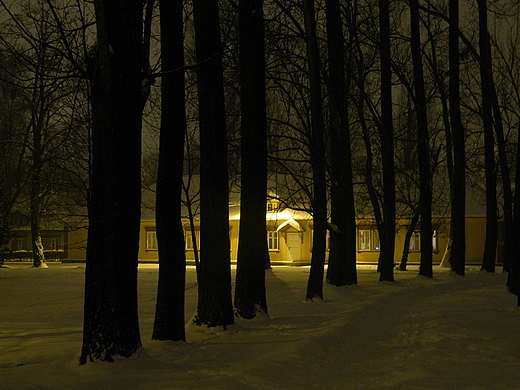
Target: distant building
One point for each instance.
(289, 238)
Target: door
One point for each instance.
(294, 246)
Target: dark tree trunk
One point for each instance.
(513, 279)
(407, 237)
(111, 325)
(457, 253)
(250, 278)
(423, 149)
(490, 248)
(509, 235)
(342, 256)
(387, 228)
(317, 152)
(36, 197)
(35, 215)
(215, 306)
(169, 311)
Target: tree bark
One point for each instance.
(509, 235)
(35, 212)
(490, 247)
(342, 255)
(387, 228)
(457, 254)
(317, 152)
(169, 311)
(407, 237)
(425, 200)
(513, 278)
(111, 325)
(250, 291)
(215, 306)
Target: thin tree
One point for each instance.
(423, 150)
(169, 310)
(490, 247)
(342, 255)
(513, 278)
(387, 228)
(457, 254)
(250, 294)
(44, 86)
(317, 155)
(111, 325)
(215, 306)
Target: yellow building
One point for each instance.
(289, 237)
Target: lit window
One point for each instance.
(20, 244)
(368, 240)
(55, 243)
(415, 241)
(151, 240)
(272, 240)
(364, 240)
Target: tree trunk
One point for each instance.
(509, 235)
(407, 237)
(317, 152)
(111, 325)
(215, 306)
(169, 311)
(457, 254)
(35, 217)
(37, 125)
(387, 229)
(342, 255)
(513, 278)
(423, 149)
(490, 248)
(250, 278)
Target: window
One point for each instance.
(272, 240)
(51, 243)
(415, 241)
(188, 239)
(368, 240)
(55, 243)
(151, 240)
(364, 240)
(20, 244)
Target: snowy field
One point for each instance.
(448, 332)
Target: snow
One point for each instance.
(449, 332)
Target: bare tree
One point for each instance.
(111, 325)
(342, 255)
(489, 256)
(423, 150)
(458, 179)
(250, 295)
(317, 155)
(169, 311)
(214, 272)
(48, 88)
(387, 228)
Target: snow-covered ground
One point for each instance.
(448, 332)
